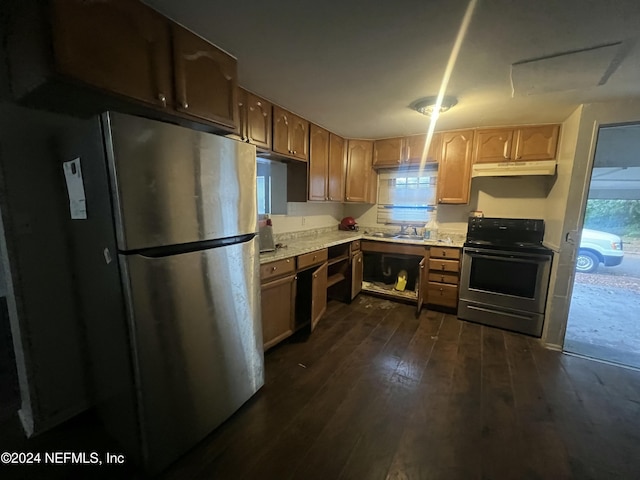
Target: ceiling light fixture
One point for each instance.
(427, 105)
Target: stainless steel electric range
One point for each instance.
(505, 274)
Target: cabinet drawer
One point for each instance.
(275, 269)
(444, 265)
(443, 294)
(355, 246)
(443, 278)
(444, 252)
(313, 258)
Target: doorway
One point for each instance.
(603, 315)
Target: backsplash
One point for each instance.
(307, 216)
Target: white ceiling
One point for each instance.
(354, 66)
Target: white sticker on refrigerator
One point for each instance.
(75, 187)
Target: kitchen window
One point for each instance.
(407, 195)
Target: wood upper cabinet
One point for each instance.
(318, 294)
(358, 176)
(255, 117)
(337, 164)
(290, 134)
(454, 173)
(116, 45)
(414, 148)
(205, 78)
(538, 142)
(318, 163)
(388, 152)
(392, 152)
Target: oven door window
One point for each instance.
(507, 276)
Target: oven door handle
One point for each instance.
(508, 256)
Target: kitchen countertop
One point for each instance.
(309, 243)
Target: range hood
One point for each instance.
(512, 169)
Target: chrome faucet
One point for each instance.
(404, 228)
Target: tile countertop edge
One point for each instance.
(304, 245)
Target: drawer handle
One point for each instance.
(442, 278)
(443, 266)
(441, 292)
(273, 269)
(444, 254)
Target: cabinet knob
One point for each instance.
(359, 260)
(444, 254)
(442, 278)
(185, 105)
(315, 275)
(288, 261)
(314, 257)
(163, 98)
(273, 269)
(443, 266)
(294, 152)
(441, 292)
(519, 157)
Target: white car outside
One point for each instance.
(598, 247)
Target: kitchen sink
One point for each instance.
(400, 236)
(408, 236)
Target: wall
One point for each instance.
(511, 197)
(308, 216)
(35, 255)
(592, 116)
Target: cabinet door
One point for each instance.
(388, 152)
(415, 148)
(454, 173)
(299, 137)
(205, 78)
(119, 46)
(493, 145)
(318, 163)
(337, 163)
(281, 122)
(356, 274)
(257, 120)
(359, 153)
(318, 294)
(536, 143)
(278, 307)
(423, 285)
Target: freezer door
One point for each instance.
(172, 185)
(197, 339)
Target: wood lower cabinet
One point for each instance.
(290, 134)
(278, 307)
(318, 163)
(359, 173)
(443, 277)
(514, 144)
(255, 119)
(357, 269)
(205, 77)
(278, 296)
(454, 173)
(318, 294)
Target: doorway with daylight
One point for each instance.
(604, 322)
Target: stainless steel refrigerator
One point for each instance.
(167, 270)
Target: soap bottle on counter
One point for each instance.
(429, 227)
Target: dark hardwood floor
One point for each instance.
(375, 393)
